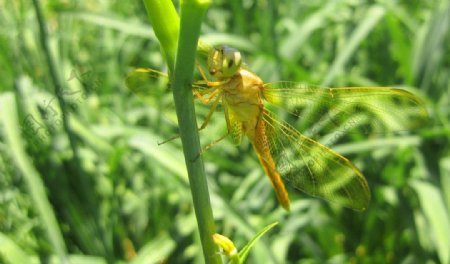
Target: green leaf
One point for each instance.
(437, 217)
(243, 254)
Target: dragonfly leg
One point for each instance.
(168, 140)
(205, 91)
(204, 124)
(202, 72)
(210, 113)
(210, 145)
(210, 83)
(213, 91)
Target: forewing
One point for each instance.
(364, 109)
(153, 87)
(313, 168)
(145, 82)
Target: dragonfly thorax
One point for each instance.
(242, 94)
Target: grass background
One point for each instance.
(102, 191)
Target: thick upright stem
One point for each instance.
(192, 12)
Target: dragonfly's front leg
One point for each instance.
(210, 113)
(200, 94)
(205, 81)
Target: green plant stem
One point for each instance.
(181, 44)
(192, 13)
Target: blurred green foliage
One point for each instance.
(128, 199)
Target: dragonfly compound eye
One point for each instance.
(224, 62)
(231, 61)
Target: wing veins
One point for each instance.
(291, 134)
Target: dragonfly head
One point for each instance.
(224, 62)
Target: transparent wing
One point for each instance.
(153, 87)
(364, 109)
(313, 168)
(145, 82)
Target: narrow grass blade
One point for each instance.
(243, 254)
(155, 251)
(32, 178)
(437, 217)
(10, 252)
(374, 14)
(444, 165)
(292, 44)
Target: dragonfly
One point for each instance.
(285, 154)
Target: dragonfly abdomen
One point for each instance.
(261, 147)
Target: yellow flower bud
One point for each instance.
(226, 244)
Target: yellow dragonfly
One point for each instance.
(284, 152)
